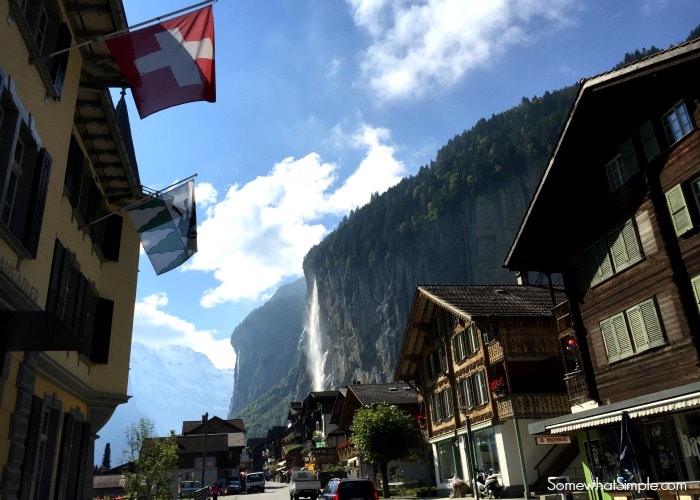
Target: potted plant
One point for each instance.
(498, 387)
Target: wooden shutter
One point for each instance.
(624, 246)
(629, 159)
(615, 337)
(469, 392)
(52, 297)
(449, 409)
(598, 263)
(695, 282)
(679, 210)
(102, 332)
(645, 326)
(59, 63)
(35, 215)
(649, 141)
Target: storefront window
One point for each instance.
(486, 453)
(447, 461)
(687, 427)
(662, 451)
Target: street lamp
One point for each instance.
(470, 450)
(205, 418)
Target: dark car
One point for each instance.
(232, 487)
(349, 489)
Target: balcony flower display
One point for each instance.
(498, 387)
(422, 421)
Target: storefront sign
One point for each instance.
(553, 439)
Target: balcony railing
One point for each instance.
(577, 387)
(522, 345)
(532, 406)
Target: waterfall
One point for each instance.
(315, 357)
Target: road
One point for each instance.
(273, 491)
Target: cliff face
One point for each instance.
(364, 309)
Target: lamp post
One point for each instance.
(205, 418)
(470, 449)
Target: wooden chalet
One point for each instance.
(486, 361)
(617, 215)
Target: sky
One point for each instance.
(322, 103)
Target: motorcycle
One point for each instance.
(488, 484)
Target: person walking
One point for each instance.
(215, 491)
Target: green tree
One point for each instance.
(107, 458)
(152, 460)
(383, 433)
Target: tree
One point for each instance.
(107, 458)
(153, 461)
(383, 433)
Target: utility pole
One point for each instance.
(470, 449)
(205, 418)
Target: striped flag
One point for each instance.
(167, 224)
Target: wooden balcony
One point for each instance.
(525, 345)
(532, 406)
(577, 387)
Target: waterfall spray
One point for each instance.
(316, 358)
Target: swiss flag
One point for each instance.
(169, 63)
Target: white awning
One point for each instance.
(684, 402)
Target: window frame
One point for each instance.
(617, 250)
(677, 122)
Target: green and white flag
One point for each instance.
(167, 224)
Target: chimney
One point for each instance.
(523, 277)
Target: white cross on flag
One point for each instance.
(169, 63)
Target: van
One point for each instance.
(255, 481)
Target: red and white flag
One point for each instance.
(169, 63)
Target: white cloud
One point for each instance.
(258, 235)
(419, 46)
(156, 329)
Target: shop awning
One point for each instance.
(667, 401)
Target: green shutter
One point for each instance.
(616, 337)
(696, 289)
(645, 326)
(678, 209)
(648, 136)
(598, 262)
(629, 158)
(624, 246)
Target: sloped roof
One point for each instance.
(215, 424)
(398, 393)
(607, 108)
(107, 481)
(503, 301)
(472, 302)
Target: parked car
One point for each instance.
(188, 488)
(255, 481)
(232, 487)
(350, 488)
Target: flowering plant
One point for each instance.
(422, 421)
(498, 385)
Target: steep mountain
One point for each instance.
(451, 223)
(266, 343)
(161, 393)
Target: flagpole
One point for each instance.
(142, 200)
(119, 32)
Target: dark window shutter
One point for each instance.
(59, 63)
(52, 297)
(103, 331)
(88, 324)
(74, 169)
(35, 215)
(112, 237)
(30, 447)
(64, 457)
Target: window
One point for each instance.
(24, 175)
(616, 251)
(74, 299)
(472, 391)
(41, 24)
(472, 339)
(677, 123)
(631, 331)
(621, 168)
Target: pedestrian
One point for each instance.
(215, 491)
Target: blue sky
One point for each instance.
(322, 103)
